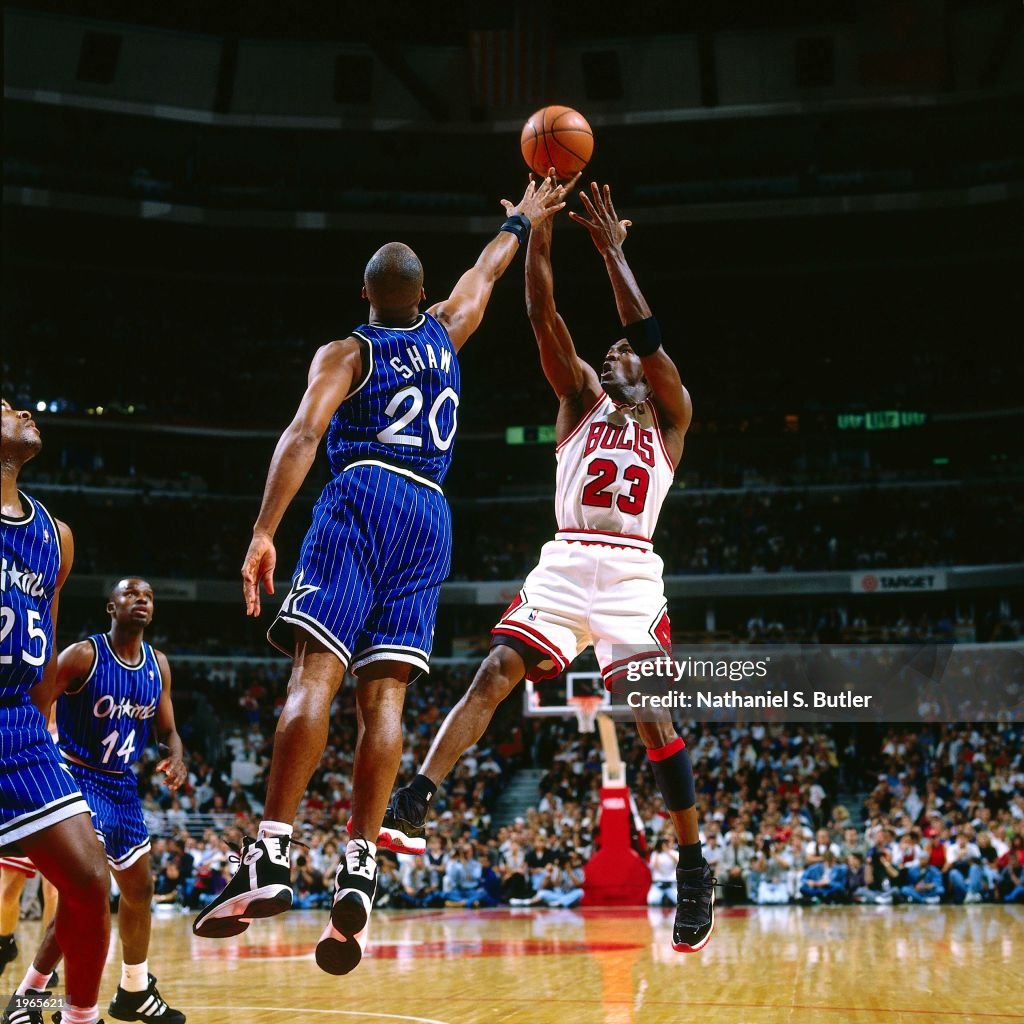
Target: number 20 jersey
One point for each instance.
(613, 475)
(404, 411)
(28, 582)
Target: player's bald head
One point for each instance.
(394, 277)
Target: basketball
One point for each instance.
(557, 137)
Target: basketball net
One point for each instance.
(586, 709)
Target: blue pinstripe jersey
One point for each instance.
(404, 410)
(105, 722)
(28, 581)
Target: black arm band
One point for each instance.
(519, 225)
(644, 336)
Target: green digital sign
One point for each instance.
(530, 435)
(884, 419)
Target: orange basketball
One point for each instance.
(557, 137)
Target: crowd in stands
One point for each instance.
(942, 819)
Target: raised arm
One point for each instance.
(608, 234)
(463, 310)
(335, 366)
(567, 374)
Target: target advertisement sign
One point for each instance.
(897, 581)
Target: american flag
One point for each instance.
(512, 66)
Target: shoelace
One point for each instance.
(236, 854)
(364, 856)
(698, 887)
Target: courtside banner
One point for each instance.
(897, 581)
(822, 683)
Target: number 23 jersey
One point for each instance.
(105, 723)
(613, 474)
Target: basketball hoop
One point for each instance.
(586, 709)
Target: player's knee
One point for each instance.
(136, 888)
(493, 681)
(88, 885)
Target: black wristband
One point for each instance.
(519, 225)
(644, 336)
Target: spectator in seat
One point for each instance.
(562, 885)
(734, 867)
(963, 870)
(1011, 880)
(923, 884)
(463, 881)
(663, 863)
(824, 881)
(821, 844)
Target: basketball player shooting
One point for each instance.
(619, 438)
(364, 594)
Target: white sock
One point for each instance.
(80, 1015)
(135, 977)
(34, 980)
(269, 829)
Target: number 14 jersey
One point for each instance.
(613, 475)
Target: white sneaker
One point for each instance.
(343, 941)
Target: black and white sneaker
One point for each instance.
(261, 887)
(695, 909)
(23, 1009)
(8, 951)
(402, 830)
(343, 941)
(147, 1006)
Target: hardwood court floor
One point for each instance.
(899, 965)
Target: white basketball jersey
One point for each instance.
(613, 474)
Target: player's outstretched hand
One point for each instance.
(541, 200)
(606, 230)
(258, 567)
(174, 771)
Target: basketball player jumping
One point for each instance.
(619, 438)
(109, 689)
(43, 815)
(364, 594)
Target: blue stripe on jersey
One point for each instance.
(30, 549)
(404, 411)
(105, 723)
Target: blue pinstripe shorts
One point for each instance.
(36, 788)
(371, 568)
(116, 813)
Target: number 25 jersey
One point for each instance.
(613, 475)
(404, 411)
(28, 581)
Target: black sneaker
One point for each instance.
(54, 979)
(20, 1011)
(343, 941)
(695, 909)
(402, 830)
(260, 888)
(145, 1006)
(8, 951)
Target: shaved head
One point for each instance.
(394, 277)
